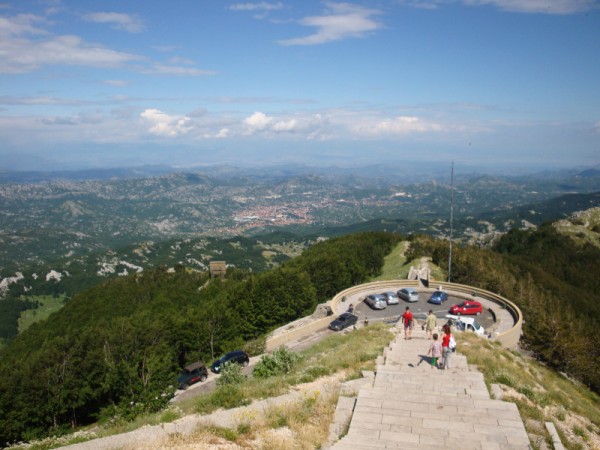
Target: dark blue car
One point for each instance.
(438, 297)
(236, 356)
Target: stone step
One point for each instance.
(409, 404)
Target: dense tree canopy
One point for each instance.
(117, 347)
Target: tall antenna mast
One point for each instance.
(451, 221)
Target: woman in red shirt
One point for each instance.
(446, 350)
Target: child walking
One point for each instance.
(435, 350)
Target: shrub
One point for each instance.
(280, 362)
(231, 374)
(225, 396)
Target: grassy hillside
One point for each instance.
(541, 395)
(47, 304)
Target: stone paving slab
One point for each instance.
(411, 405)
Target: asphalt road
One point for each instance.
(362, 310)
(210, 383)
(419, 310)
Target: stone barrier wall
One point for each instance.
(508, 339)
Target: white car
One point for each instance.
(462, 323)
(409, 294)
(391, 297)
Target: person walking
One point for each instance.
(407, 320)
(446, 350)
(430, 324)
(435, 350)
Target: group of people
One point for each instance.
(440, 348)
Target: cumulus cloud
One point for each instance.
(257, 122)
(223, 133)
(23, 51)
(119, 21)
(285, 125)
(302, 125)
(341, 21)
(162, 124)
(259, 6)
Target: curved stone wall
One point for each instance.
(508, 339)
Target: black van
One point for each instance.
(237, 356)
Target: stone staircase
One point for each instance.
(412, 405)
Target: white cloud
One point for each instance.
(21, 24)
(119, 21)
(342, 21)
(162, 124)
(519, 6)
(223, 133)
(117, 83)
(597, 127)
(38, 100)
(257, 122)
(286, 125)
(163, 69)
(260, 6)
(539, 6)
(393, 127)
(22, 53)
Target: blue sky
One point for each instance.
(509, 83)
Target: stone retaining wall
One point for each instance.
(508, 339)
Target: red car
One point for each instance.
(467, 308)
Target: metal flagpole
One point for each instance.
(451, 221)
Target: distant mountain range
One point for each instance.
(406, 172)
(60, 235)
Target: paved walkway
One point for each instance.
(411, 405)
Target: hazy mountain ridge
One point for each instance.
(88, 230)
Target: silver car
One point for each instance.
(376, 301)
(409, 294)
(391, 298)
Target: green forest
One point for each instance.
(116, 348)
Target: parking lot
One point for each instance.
(419, 309)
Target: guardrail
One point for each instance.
(508, 339)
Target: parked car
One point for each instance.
(465, 324)
(409, 294)
(376, 301)
(470, 308)
(344, 321)
(391, 298)
(438, 297)
(192, 374)
(237, 356)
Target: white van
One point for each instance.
(462, 323)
